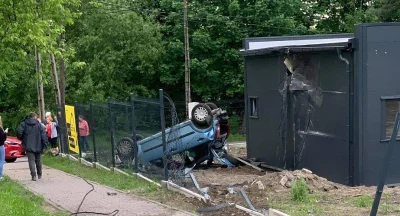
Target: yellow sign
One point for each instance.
(71, 127)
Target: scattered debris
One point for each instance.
(214, 208)
(111, 193)
(283, 180)
(246, 199)
(260, 185)
(306, 171)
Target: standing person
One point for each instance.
(51, 128)
(33, 136)
(83, 133)
(3, 137)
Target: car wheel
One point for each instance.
(11, 160)
(212, 106)
(125, 147)
(201, 115)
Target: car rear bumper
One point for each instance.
(14, 151)
(15, 154)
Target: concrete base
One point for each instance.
(99, 166)
(116, 170)
(147, 179)
(73, 158)
(85, 162)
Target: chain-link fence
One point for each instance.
(147, 136)
(128, 135)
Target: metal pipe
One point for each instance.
(351, 124)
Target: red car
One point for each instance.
(13, 149)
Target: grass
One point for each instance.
(363, 201)
(311, 206)
(118, 181)
(122, 182)
(299, 191)
(16, 200)
(237, 138)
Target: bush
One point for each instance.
(300, 191)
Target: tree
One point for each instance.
(340, 16)
(389, 11)
(120, 53)
(30, 23)
(217, 29)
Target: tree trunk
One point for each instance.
(39, 85)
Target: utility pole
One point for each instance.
(55, 79)
(187, 57)
(39, 85)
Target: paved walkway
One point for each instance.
(67, 191)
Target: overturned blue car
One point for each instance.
(201, 138)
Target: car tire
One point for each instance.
(11, 160)
(125, 146)
(202, 115)
(212, 106)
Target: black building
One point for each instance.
(325, 102)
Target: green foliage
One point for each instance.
(114, 48)
(300, 191)
(120, 54)
(388, 10)
(364, 201)
(104, 177)
(26, 24)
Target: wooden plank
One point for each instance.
(271, 167)
(274, 212)
(188, 193)
(249, 164)
(249, 211)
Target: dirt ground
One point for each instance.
(273, 189)
(238, 151)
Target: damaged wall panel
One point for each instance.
(325, 102)
(304, 109)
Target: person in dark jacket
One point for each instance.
(3, 138)
(34, 140)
